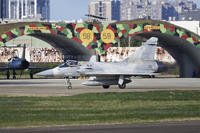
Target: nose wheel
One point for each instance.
(68, 83)
(8, 74)
(14, 74)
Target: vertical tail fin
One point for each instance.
(145, 52)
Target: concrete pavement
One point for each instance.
(57, 87)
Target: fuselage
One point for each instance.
(119, 68)
(18, 63)
(117, 73)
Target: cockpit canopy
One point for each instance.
(14, 59)
(69, 63)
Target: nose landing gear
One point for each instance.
(68, 83)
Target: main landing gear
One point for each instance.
(68, 83)
(8, 74)
(123, 86)
(31, 74)
(14, 74)
(106, 86)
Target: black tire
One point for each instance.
(14, 77)
(152, 76)
(14, 74)
(123, 86)
(8, 74)
(31, 75)
(106, 86)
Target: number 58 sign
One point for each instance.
(86, 36)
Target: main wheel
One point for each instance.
(14, 77)
(14, 74)
(31, 75)
(123, 86)
(151, 76)
(8, 74)
(106, 86)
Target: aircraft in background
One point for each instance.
(141, 63)
(15, 63)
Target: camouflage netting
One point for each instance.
(96, 36)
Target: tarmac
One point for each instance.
(173, 127)
(57, 87)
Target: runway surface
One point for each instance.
(57, 87)
(184, 127)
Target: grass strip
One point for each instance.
(106, 108)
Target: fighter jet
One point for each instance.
(141, 63)
(16, 63)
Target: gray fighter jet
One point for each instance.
(141, 63)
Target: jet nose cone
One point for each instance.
(47, 73)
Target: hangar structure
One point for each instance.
(83, 39)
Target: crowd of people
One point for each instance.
(32, 54)
(45, 55)
(7, 53)
(114, 54)
(163, 56)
